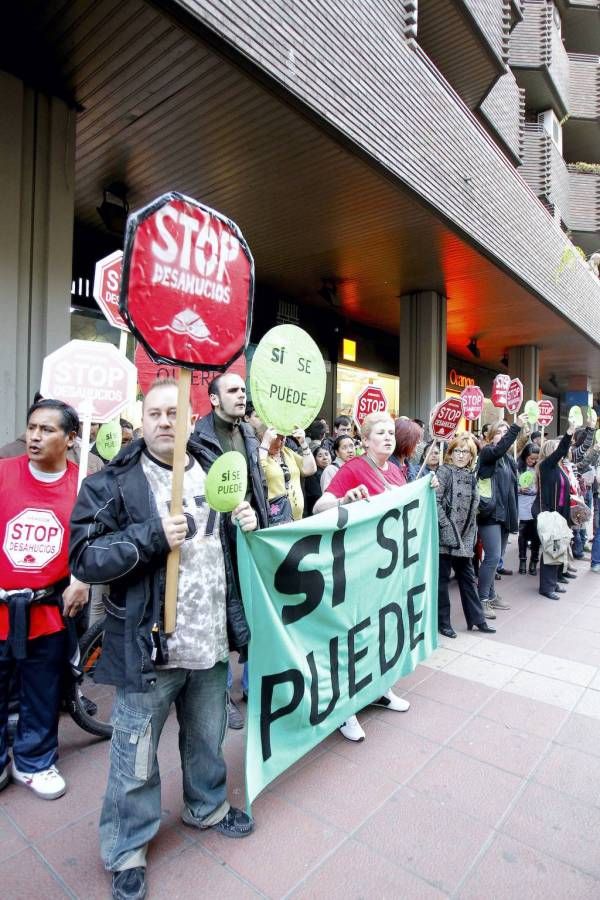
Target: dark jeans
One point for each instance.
(40, 674)
(467, 586)
(528, 534)
(494, 538)
(549, 577)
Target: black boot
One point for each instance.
(522, 567)
(533, 565)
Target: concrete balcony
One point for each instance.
(584, 208)
(467, 40)
(581, 131)
(545, 171)
(580, 24)
(503, 112)
(539, 60)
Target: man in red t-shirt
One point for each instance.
(37, 495)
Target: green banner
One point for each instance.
(340, 605)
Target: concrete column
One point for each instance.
(37, 165)
(422, 353)
(524, 363)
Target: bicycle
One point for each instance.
(90, 704)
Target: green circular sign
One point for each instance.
(526, 480)
(532, 412)
(576, 416)
(108, 439)
(593, 417)
(287, 379)
(226, 482)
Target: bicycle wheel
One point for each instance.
(90, 704)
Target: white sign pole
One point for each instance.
(86, 427)
(123, 342)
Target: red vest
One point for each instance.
(34, 537)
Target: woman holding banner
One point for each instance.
(457, 500)
(359, 478)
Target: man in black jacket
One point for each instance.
(222, 430)
(121, 534)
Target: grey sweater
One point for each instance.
(457, 501)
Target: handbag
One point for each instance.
(487, 497)
(279, 510)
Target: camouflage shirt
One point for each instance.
(200, 637)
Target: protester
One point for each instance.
(457, 499)
(122, 531)
(315, 433)
(528, 535)
(430, 458)
(536, 438)
(408, 434)
(37, 493)
(342, 427)
(344, 449)
(358, 478)
(498, 515)
(126, 432)
(223, 429)
(312, 484)
(582, 441)
(283, 468)
(552, 496)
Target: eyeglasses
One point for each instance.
(460, 452)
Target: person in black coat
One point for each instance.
(553, 495)
(502, 516)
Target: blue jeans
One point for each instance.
(40, 675)
(494, 539)
(131, 811)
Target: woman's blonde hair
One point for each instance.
(371, 420)
(462, 440)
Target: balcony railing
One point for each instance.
(584, 91)
(536, 44)
(545, 170)
(584, 202)
(489, 15)
(504, 109)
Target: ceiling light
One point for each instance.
(473, 348)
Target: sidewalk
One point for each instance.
(489, 787)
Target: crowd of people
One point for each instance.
(116, 534)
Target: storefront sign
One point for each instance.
(149, 371)
(445, 418)
(187, 284)
(458, 380)
(472, 399)
(287, 379)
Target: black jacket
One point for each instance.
(550, 478)
(117, 539)
(495, 461)
(206, 448)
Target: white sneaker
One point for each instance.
(49, 784)
(5, 776)
(351, 729)
(390, 700)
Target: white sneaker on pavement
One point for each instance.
(390, 700)
(351, 729)
(49, 784)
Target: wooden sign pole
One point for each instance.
(182, 424)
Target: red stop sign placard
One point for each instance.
(514, 396)
(371, 399)
(148, 371)
(545, 413)
(188, 283)
(107, 285)
(445, 418)
(90, 376)
(472, 402)
(500, 386)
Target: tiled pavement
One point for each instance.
(489, 787)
